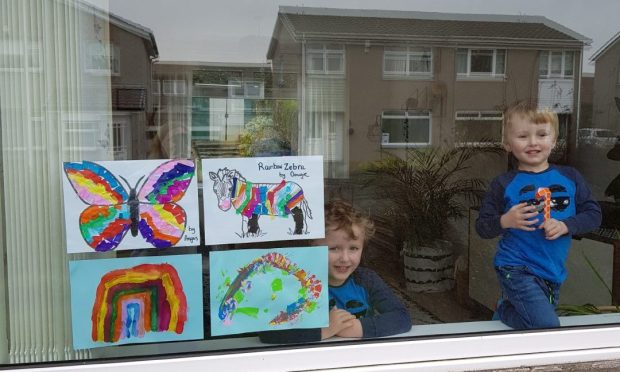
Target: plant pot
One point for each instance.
(429, 269)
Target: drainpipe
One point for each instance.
(578, 118)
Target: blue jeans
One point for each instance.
(528, 301)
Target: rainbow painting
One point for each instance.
(136, 300)
(263, 199)
(268, 289)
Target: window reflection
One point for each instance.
(95, 89)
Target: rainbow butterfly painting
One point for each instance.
(155, 205)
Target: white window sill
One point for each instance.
(474, 345)
(498, 78)
(408, 77)
(403, 145)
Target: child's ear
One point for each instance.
(507, 147)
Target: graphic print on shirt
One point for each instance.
(547, 199)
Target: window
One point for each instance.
(246, 89)
(480, 62)
(103, 58)
(556, 64)
(405, 128)
(174, 87)
(407, 62)
(327, 59)
(326, 88)
(478, 127)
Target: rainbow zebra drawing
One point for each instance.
(252, 200)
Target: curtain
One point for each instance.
(323, 129)
(52, 109)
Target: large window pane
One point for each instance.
(142, 86)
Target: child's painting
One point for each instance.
(268, 289)
(136, 300)
(130, 204)
(263, 199)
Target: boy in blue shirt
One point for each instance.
(361, 304)
(536, 208)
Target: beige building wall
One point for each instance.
(606, 87)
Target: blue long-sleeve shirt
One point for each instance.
(571, 203)
(365, 295)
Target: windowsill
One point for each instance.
(480, 78)
(403, 145)
(408, 77)
(462, 329)
(552, 78)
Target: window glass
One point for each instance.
(131, 143)
(543, 61)
(405, 128)
(481, 60)
(478, 127)
(556, 63)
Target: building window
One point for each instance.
(405, 128)
(325, 59)
(556, 64)
(407, 62)
(480, 63)
(478, 128)
(246, 89)
(174, 87)
(103, 59)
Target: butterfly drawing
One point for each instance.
(149, 207)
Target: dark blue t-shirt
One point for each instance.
(351, 297)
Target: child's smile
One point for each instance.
(530, 143)
(345, 253)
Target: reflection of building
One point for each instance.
(387, 80)
(606, 112)
(119, 55)
(132, 50)
(212, 103)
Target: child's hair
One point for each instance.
(530, 112)
(342, 215)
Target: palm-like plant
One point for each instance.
(427, 188)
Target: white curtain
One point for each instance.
(173, 116)
(52, 109)
(323, 129)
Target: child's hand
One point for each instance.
(554, 228)
(354, 331)
(339, 320)
(519, 217)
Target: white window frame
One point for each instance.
(479, 116)
(327, 51)
(493, 74)
(174, 87)
(548, 55)
(390, 114)
(480, 351)
(407, 53)
(245, 89)
(103, 50)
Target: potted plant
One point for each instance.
(425, 189)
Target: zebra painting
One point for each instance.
(252, 200)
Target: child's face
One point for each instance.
(344, 253)
(530, 143)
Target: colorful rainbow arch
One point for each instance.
(144, 298)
